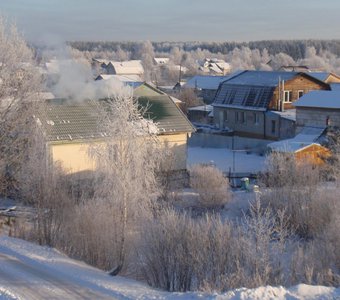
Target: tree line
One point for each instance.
(294, 48)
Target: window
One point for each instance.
(287, 96)
(256, 119)
(240, 117)
(225, 116)
(273, 126)
(300, 93)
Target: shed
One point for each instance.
(318, 108)
(304, 146)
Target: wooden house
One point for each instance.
(253, 103)
(71, 128)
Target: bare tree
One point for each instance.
(189, 98)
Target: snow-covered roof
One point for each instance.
(214, 65)
(320, 75)
(177, 68)
(261, 78)
(320, 99)
(208, 108)
(335, 86)
(307, 137)
(122, 78)
(101, 61)
(289, 114)
(127, 67)
(161, 60)
(176, 100)
(205, 82)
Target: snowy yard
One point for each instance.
(29, 271)
(222, 158)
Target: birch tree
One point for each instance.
(126, 165)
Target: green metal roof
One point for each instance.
(166, 114)
(67, 121)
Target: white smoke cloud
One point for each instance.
(73, 79)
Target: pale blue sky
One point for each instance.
(174, 20)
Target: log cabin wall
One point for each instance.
(298, 84)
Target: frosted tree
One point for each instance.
(146, 53)
(281, 59)
(126, 163)
(121, 55)
(19, 83)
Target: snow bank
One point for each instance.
(53, 265)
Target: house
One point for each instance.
(254, 103)
(160, 61)
(202, 114)
(130, 67)
(214, 66)
(71, 128)
(319, 109)
(304, 146)
(205, 86)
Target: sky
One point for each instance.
(173, 20)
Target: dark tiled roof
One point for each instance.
(250, 88)
(78, 121)
(244, 95)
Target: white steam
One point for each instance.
(73, 79)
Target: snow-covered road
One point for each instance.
(29, 271)
(25, 280)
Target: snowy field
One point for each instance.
(29, 271)
(222, 158)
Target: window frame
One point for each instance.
(290, 96)
(300, 91)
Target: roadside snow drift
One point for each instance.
(29, 271)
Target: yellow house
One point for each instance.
(71, 129)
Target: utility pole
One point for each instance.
(233, 149)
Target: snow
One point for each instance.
(320, 99)
(129, 67)
(29, 271)
(206, 82)
(222, 158)
(307, 137)
(289, 114)
(202, 108)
